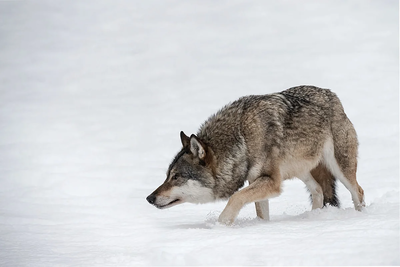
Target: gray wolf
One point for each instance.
(301, 132)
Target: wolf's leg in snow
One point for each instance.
(344, 167)
(349, 180)
(261, 189)
(315, 190)
(262, 209)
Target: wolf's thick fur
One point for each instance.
(301, 132)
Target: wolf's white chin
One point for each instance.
(193, 192)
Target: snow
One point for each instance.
(94, 94)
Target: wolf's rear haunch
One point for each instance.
(301, 132)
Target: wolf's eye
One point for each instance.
(175, 177)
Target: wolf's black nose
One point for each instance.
(151, 199)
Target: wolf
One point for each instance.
(301, 132)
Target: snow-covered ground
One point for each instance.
(93, 95)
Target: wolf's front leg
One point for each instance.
(260, 190)
(262, 209)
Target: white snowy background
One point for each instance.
(93, 95)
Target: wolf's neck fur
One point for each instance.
(222, 132)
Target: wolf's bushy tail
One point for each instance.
(328, 184)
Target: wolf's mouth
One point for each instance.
(169, 204)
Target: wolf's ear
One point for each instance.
(185, 139)
(197, 147)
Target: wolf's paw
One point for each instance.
(360, 207)
(226, 219)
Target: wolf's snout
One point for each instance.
(151, 199)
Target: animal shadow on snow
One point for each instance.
(325, 214)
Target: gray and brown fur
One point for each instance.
(301, 132)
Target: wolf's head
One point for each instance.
(190, 177)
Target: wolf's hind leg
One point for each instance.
(327, 181)
(350, 182)
(261, 189)
(315, 190)
(262, 209)
(344, 166)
